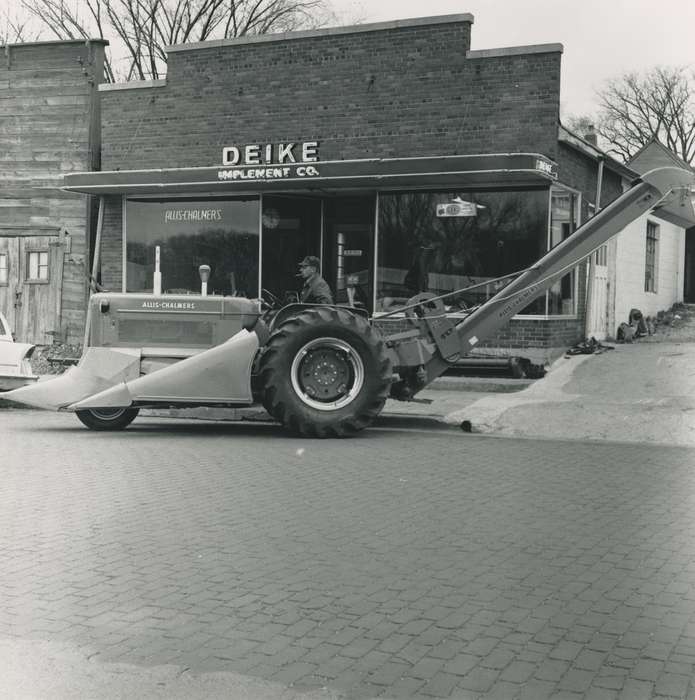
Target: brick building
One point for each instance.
(406, 161)
(49, 126)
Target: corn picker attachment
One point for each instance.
(321, 371)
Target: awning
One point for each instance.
(475, 171)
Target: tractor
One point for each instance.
(319, 370)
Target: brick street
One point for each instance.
(396, 564)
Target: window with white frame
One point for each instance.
(37, 266)
(564, 219)
(3, 269)
(651, 260)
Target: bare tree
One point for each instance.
(14, 26)
(580, 124)
(634, 109)
(140, 30)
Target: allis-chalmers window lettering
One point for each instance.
(172, 215)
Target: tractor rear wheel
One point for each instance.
(108, 418)
(325, 373)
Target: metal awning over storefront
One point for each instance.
(471, 171)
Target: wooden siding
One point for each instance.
(48, 127)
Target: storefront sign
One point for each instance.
(287, 172)
(271, 154)
(546, 167)
(453, 209)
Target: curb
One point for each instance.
(498, 385)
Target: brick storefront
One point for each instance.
(364, 95)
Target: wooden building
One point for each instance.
(49, 126)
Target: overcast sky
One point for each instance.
(602, 38)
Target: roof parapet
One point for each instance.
(329, 31)
(516, 51)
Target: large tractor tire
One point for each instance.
(108, 418)
(325, 373)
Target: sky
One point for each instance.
(602, 39)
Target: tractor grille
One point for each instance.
(176, 331)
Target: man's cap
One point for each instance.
(311, 260)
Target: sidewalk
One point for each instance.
(639, 392)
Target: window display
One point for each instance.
(221, 233)
(442, 241)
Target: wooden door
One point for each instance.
(9, 278)
(31, 297)
(598, 295)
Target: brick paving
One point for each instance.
(397, 564)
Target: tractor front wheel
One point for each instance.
(108, 418)
(325, 373)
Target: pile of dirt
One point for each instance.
(55, 358)
(675, 325)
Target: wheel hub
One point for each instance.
(327, 374)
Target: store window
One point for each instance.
(291, 231)
(444, 241)
(564, 218)
(37, 266)
(221, 233)
(3, 269)
(650, 265)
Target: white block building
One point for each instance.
(643, 267)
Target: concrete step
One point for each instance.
(492, 384)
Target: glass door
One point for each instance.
(348, 245)
(291, 231)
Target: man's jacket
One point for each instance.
(316, 291)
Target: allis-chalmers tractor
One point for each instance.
(319, 370)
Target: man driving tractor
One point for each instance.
(315, 289)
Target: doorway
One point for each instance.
(597, 311)
(689, 283)
(348, 246)
(31, 279)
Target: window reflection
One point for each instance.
(222, 233)
(423, 248)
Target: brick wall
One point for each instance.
(49, 127)
(581, 172)
(400, 91)
(111, 256)
(540, 340)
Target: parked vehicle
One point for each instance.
(319, 370)
(15, 367)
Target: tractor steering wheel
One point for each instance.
(270, 300)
